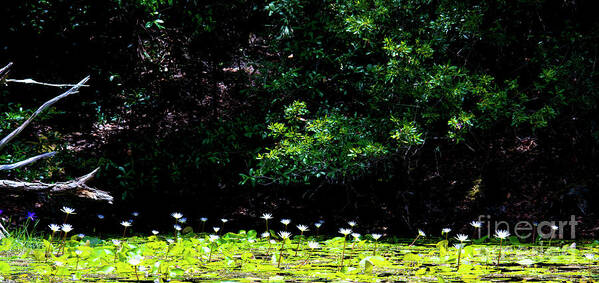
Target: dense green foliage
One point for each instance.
(420, 104)
(414, 71)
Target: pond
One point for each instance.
(247, 257)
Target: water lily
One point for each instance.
(54, 228)
(177, 229)
(502, 235)
(312, 246)
(344, 232)
(477, 225)
(285, 222)
(446, 232)
(376, 238)
(135, 261)
(125, 225)
(462, 238)
(155, 232)
(266, 217)
(553, 229)
(302, 228)
(68, 211)
(66, 228)
(526, 262)
(420, 234)
(284, 236)
(203, 220)
(223, 220)
(216, 229)
(176, 215)
(100, 216)
(182, 220)
(317, 225)
(351, 223)
(213, 238)
(135, 213)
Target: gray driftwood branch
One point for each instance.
(77, 186)
(32, 81)
(44, 106)
(26, 161)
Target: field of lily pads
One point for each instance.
(294, 253)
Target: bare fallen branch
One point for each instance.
(4, 71)
(77, 186)
(48, 103)
(31, 81)
(26, 161)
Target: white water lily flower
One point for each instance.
(224, 220)
(213, 238)
(554, 227)
(135, 260)
(445, 230)
(376, 236)
(351, 223)
(317, 224)
(284, 235)
(54, 227)
(272, 242)
(421, 233)
(155, 232)
(266, 216)
(177, 227)
(302, 228)
(126, 223)
(216, 229)
(502, 234)
(78, 252)
(100, 216)
(461, 237)
(476, 224)
(203, 219)
(285, 221)
(170, 241)
(176, 215)
(265, 235)
(67, 210)
(313, 245)
(526, 262)
(459, 246)
(182, 220)
(345, 231)
(589, 256)
(135, 213)
(81, 236)
(116, 242)
(356, 236)
(67, 228)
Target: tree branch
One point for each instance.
(31, 81)
(4, 71)
(26, 161)
(77, 186)
(48, 103)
